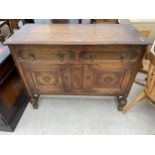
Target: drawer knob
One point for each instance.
(92, 56)
(88, 77)
(32, 56)
(61, 57)
(66, 77)
(123, 56)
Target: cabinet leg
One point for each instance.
(34, 101)
(121, 102)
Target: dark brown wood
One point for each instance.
(14, 23)
(13, 96)
(34, 101)
(104, 21)
(122, 100)
(78, 59)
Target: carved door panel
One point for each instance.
(44, 79)
(108, 80)
(55, 79)
(77, 76)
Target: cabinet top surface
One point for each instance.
(77, 34)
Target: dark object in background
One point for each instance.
(104, 21)
(60, 21)
(13, 96)
(29, 20)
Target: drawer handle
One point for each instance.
(92, 56)
(66, 77)
(61, 57)
(88, 77)
(123, 56)
(32, 56)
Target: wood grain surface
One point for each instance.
(62, 34)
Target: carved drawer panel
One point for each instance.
(58, 55)
(109, 54)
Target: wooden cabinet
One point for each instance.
(78, 59)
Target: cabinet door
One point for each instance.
(55, 79)
(76, 79)
(109, 79)
(77, 76)
(44, 78)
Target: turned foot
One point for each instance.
(121, 102)
(34, 101)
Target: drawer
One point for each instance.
(112, 54)
(58, 55)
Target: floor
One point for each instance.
(86, 115)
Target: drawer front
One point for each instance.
(58, 55)
(109, 54)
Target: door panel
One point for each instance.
(77, 77)
(45, 78)
(66, 79)
(109, 80)
(106, 79)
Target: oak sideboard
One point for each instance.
(75, 59)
